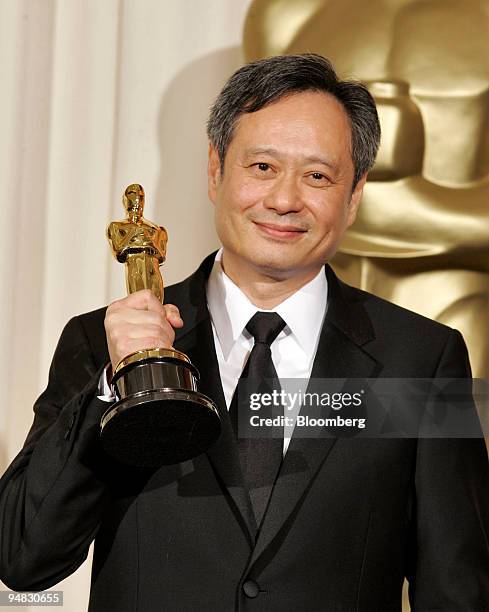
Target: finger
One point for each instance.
(153, 303)
(140, 300)
(137, 317)
(154, 331)
(145, 344)
(125, 316)
(124, 337)
(118, 330)
(173, 315)
(131, 345)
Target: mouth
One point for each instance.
(285, 232)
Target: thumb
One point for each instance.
(173, 315)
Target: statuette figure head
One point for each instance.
(133, 200)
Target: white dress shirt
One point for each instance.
(294, 349)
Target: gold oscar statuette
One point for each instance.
(159, 417)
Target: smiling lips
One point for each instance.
(280, 231)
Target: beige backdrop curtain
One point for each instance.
(96, 95)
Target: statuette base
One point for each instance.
(159, 427)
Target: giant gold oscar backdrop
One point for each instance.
(422, 235)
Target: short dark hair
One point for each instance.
(264, 81)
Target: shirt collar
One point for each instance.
(230, 309)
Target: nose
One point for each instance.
(284, 196)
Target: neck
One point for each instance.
(134, 216)
(266, 289)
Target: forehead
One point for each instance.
(300, 121)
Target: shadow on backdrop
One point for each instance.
(182, 205)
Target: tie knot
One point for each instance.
(265, 326)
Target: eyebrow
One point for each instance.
(314, 159)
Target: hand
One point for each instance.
(139, 322)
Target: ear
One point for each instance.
(355, 199)
(213, 173)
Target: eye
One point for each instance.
(262, 170)
(317, 179)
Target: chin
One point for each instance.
(277, 265)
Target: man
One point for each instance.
(339, 523)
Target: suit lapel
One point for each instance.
(339, 355)
(196, 339)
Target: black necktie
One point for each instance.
(260, 457)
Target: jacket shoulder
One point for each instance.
(405, 341)
(391, 314)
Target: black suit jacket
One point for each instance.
(348, 518)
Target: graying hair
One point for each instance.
(262, 82)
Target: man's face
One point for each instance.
(284, 200)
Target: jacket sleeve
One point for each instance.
(51, 500)
(449, 547)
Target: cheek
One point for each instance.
(330, 216)
(234, 198)
(223, 224)
(246, 192)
